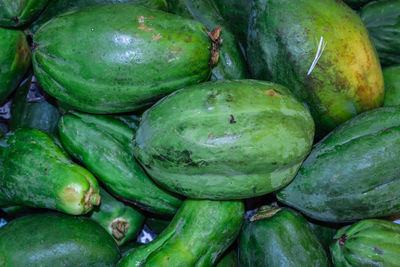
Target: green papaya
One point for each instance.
(33, 113)
(198, 235)
(367, 243)
(117, 64)
(334, 69)
(229, 260)
(276, 236)
(237, 14)
(16, 13)
(225, 139)
(128, 248)
(391, 76)
(231, 63)
(35, 172)
(53, 239)
(55, 8)
(353, 173)
(118, 219)
(15, 59)
(103, 145)
(382, 19)
(132, 121)
(324, 233)
(357, 3)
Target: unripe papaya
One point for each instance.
(122, 62)
(392, 86)
(35, 172)
(16, 13)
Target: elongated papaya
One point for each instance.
(392, 85)
(117, 64)
(334, 69)
(225, 139)
(55, 8)
(198, 235)
(281, 237)
(231, 63)
(353, 173)
(16, 13)
(367, 243)
(118, 219)
(33, 112)
(35, 172)
(15, 59)
(103, 145)
(382, 19)
(54, 239)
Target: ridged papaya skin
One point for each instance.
(55, 8)
(231, 64)
(35, 172)
(237, 14)
(15, 59)
(117, 64)
(367, 243)
(198, 235)
(16, 13)
(353, 173)
(323, 54)
(53, 239)
(225, 139)
(279, 237)
(392, 85)
(102, 144)
(382, 19)
(121, 221)
(38, 114)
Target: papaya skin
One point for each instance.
(198, 235)
(54, 239)
(346, 79)
(392, 86)
(225, 139)
(15, 60)
(101, 67)
(16, 13)
(55, 182)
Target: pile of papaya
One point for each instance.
(199, 133)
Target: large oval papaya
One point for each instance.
(122, 62)
(58, 7)
(16, 13)
(15, 59)
(321, 50)
(225, 139)
(353, 173)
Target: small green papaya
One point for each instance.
(367, 243)
(382, 19)
(353, 173)
(117, 64)
(279, 237)
(321, 51)
(102, 144)
(55, 8)
(392, 85)
(118, 219)
(198, 235)
(231, 64)
(54, 239)
(35, 172)
(225, 139)
(16, 13)
(15, 59)
(33, 113)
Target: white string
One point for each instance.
(318, 55)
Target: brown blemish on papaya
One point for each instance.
(232, 120)
(342, 240)
(156, 37)
(145, 28)
(216, 41)
(119, 229)
(272, 92)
